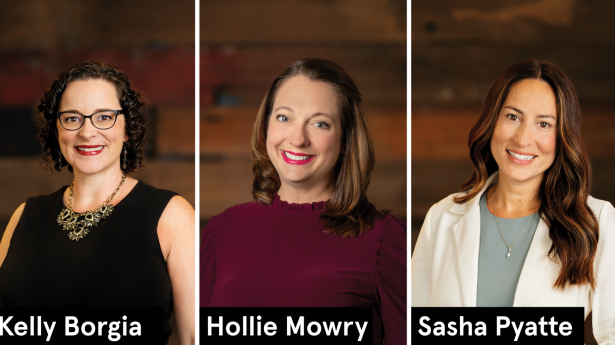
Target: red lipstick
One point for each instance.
(89, 150)
(290, 160)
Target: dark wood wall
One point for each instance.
(459, 47)
(246, 44)
(152, 41)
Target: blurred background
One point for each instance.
(152, 41)
(246, 44)
(459, 47)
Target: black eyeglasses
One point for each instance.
(104, 119)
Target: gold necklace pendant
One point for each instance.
(78, 229)
(495, 215)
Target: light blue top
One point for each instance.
(498, 274)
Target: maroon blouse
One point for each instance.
(279, 256)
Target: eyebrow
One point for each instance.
(313, 115)
(538, 116)
(75, 111)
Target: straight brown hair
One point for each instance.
(348, 213)
(563, 193)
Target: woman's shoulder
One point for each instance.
(144, 188)
(447, 204)
(46, 199)
(604, 213)
(390, 223)
(597, 206)
(239, 210)
(231, 214)
(393, 232)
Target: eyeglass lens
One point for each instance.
(101, 120)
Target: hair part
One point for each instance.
(563, 192)
(133, 109)
(348, 213)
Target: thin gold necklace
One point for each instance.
(495, 214)
(69, 220)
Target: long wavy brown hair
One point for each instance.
(348, 213)
(562, 196)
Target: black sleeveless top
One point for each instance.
(118, 264)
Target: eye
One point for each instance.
(322, 125)
(283, 118)
(512, 117)
(544, 125)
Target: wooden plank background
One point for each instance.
(152, 41)
(459, 47)
(246, 44)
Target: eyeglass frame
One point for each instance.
(85, 117)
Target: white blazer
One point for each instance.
(445, 265)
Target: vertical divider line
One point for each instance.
(408, 166)
(197, 198)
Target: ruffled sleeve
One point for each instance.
(391, 280)
(209, 243)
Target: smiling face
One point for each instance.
(525, 135)
(304, 133)
(90, 150)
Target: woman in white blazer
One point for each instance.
(528, 160)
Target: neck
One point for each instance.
(511, 199)
(91, 190)
(300, 194)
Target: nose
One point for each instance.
(299, 137)
(524, 136)
(87, 130)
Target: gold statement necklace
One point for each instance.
(69, 220)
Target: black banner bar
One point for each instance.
(491, 325)
(286, 325)
(81, 325)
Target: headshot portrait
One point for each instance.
(335, 163)
(98, 205)
(511, 153)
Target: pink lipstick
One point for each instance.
(296, 158)
(520, 158)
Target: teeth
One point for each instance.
(88, 149)
(522, 157)
(296, 158)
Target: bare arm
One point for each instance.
(8, 233)
(176, 234)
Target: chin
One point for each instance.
(520, 176)
(294, 178)
(89, 169)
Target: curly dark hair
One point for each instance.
(134, 110)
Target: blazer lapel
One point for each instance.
(467, 241)
(536, 262)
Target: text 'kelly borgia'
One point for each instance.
(36, 327)
(252, 327)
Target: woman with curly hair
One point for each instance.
(107, 239)
(311, 238)
(524, 230)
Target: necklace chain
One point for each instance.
(69, 220)
(495, 214)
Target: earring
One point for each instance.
(60, 161)
(125, 166)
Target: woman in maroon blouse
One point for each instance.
(311, 237)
